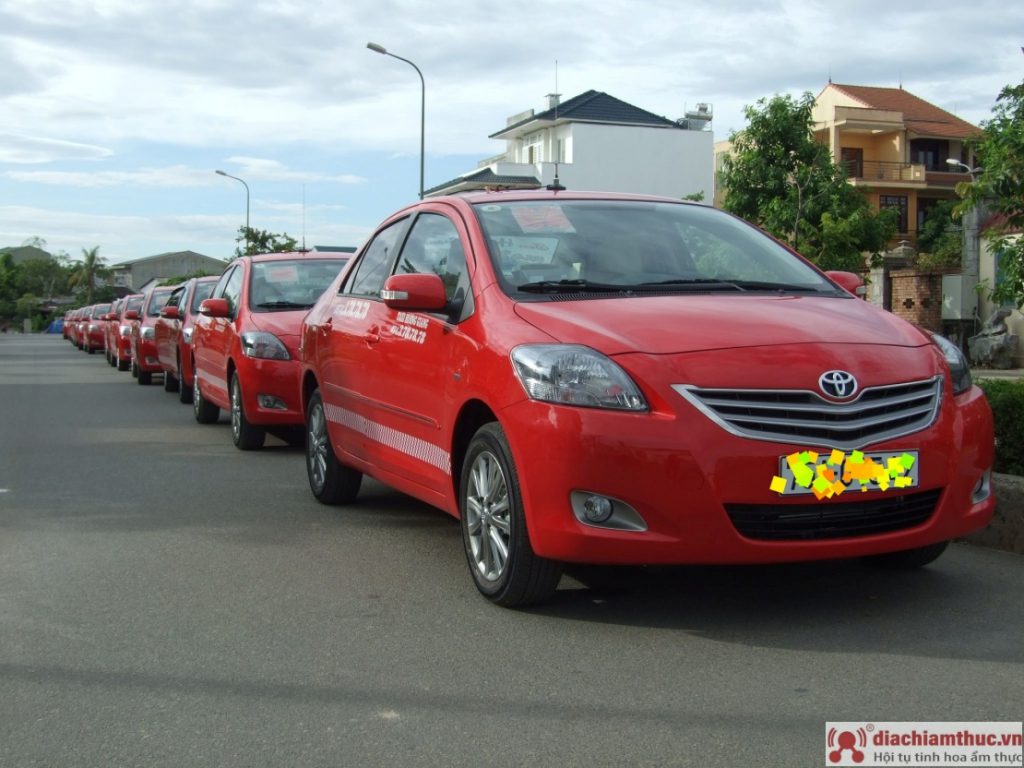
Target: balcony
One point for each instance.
(882, 172)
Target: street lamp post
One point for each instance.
(423, 103)
(228, 175)
(971, 262)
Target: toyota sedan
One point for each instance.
(611, 379)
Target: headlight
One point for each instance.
(575, 375)
(93, 328)
(264, 345)
(186, 334)
(149, 333)
(125, 330)
(958, 367)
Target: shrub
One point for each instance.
(1006, 396)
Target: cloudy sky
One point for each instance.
(114, 114)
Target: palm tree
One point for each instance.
(92, 267)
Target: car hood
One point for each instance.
(676, 324)
(281, 324)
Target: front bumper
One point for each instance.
(683, 474)
(270, 391)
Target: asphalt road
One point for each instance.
(166, 600)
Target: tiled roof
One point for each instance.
(920, 116)
(485, 177)
(141, 259)
(594, 107)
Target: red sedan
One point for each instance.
(143, 334)
(173, 331)
(128, 316)
(609, 379)
(245, 342)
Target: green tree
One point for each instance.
(999, 186)
(253, 241)
(940, 241)
(779, 178)
(89, 272)
(45, 277)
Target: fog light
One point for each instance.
(271, 402)
(597, 509)
(152, 360)
(982, 488)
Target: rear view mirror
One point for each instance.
(215, 308)
(848, 281)
(423, 292)
(171, 313)
(131, 314)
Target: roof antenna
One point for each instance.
(555, 184)
(303, 218)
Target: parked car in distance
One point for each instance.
(127, 318)
(143, 334)
(75, 333)
(616, 379)
(110, 330)
(174, 334)
(93, 328)
(245, 342)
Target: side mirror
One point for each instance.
(131, 314)
(849, 282)
(215, 308)
(421, 292)
(171, 313)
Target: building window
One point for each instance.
(852, 159)
(534, 145)
(899, 202)
(931, 153)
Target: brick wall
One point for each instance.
(917, 297)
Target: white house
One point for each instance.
(598, 143)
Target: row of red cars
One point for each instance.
(592, 378)
(239, 331)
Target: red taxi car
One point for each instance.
(128, 316)
(143, 334)
(110, 323)
(245, 342)
(173, 332)
(93, 327)
(597, 378)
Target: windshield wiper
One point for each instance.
(282, 305)
(571, 286)
(756, 285)
(738, 285)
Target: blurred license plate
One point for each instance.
(805, 471)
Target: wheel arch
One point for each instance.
(473, 415)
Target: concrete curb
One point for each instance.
(1006, 531)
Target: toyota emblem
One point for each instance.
(838, 384)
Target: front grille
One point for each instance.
(805, 418)
(832, 520)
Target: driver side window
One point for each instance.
(376, 261)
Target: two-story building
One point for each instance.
(895, 146)
(597, 142)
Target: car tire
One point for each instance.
(494, 535)
(330, 481)
(123, 365)
(170, 382)
(909, 559)
(245, 436)
(184, 393)
(145, 378)
(135, 369)
(87, 348)
(205, 412)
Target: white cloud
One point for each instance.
(273, 170)
(31, 149)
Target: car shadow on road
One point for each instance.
(944, 610)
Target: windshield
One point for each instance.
(629, 246)
(290, 285)
(202, 292)
(133, 303)
(158, 300)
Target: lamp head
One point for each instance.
(376, 47)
